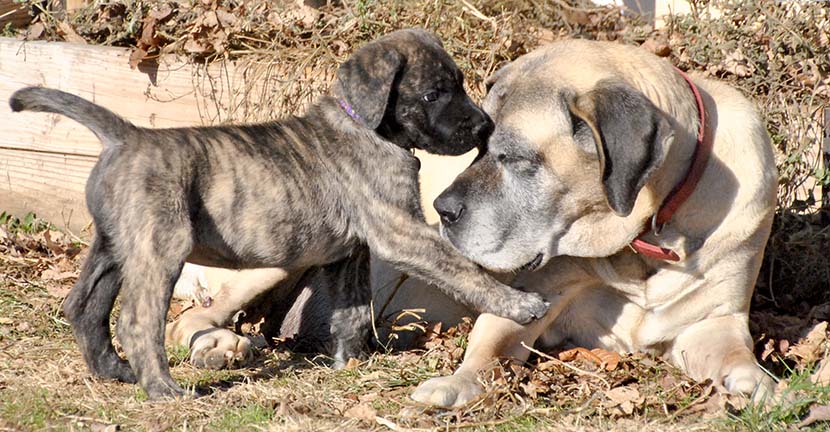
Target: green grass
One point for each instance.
(243, 418)
(25, 410)
(44, 384)
(796, 401)
(28, 224)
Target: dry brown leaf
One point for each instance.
(210, 19)
(626, 398)
(193, 46)
(52, 245)
(607, 359)
(658, 48)
(821, 376)
(53, 274)
(226, 19)
(737, 64)
(304, 14)
(576, 16)
(817, 413)
(353, 363)
(69, 34)
(161, 12)
(362, 411)
(58, 291)
(810, 348)
(148, 34)
(136, 57)
(35, 31)
(534, 387)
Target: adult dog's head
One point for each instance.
(407, 88)
(575, 165)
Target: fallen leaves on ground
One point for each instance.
(604, 359)
(625, 398)
(817, 413)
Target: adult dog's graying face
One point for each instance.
(566, 161)
(406, 87)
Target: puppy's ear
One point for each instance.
(365, 80)
(427, 35)
(627, 130)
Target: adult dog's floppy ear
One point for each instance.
(627, 130)
(365, 80)
(501, 72)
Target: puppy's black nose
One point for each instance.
(449, 207)
(485, 128)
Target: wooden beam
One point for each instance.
(46, 158)
(14, 13)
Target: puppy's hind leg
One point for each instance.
(351, 293)
(150, 271)
(88, 308)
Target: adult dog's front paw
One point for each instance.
(750, 380)
(219, 348)
(449, 391)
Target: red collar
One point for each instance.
(682, 191)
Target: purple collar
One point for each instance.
(349, 110)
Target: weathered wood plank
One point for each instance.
(45, 158)
(14, 13)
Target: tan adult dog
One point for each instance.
(540, 190)
(590, 139)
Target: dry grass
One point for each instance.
(44, 383)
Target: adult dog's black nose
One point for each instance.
(449, 207)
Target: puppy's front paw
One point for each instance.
(524, 307)
(449, 391)
(220, 348)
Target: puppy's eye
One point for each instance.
(431, 96)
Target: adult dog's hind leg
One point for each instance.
(88, 309)
(203, 328)
(725, 359)
(351, 293)
(150, 271)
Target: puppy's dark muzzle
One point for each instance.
(472, 133)
(484, 129)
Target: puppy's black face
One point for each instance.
(406, 87)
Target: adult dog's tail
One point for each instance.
(110, 128)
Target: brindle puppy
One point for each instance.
(305, 191)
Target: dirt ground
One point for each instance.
(44, 383)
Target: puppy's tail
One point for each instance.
(110, 128)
